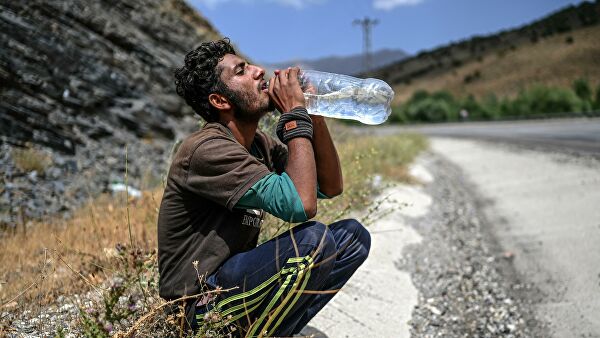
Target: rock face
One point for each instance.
(80, 81)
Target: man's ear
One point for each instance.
(219, 101)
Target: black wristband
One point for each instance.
(296, 123)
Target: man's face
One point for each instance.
(247, 87)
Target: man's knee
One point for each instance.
(316, 239)
(361, 239)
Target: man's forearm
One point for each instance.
(329, 171)
(301, 169)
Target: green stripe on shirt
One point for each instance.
(278, 196)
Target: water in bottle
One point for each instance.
(346, 97)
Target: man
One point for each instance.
(222, 179)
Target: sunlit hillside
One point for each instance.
(555, 61)
(554, 50)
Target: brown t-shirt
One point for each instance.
(197, 220)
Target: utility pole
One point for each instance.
(366, 24)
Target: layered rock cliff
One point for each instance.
(80, 81)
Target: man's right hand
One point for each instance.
(285, 91)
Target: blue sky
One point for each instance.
(283, 30)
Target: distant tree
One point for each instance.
(534, 37)
(491, 107)
(399, 115)
(582, 89)
(442, 106)
(587, 13)
(429, 110)
(597, 100)
(419, 95)
(472, 76)
(444, 95)
(473, 108)
(546, 100)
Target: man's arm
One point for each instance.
(301, 169)
(329, 170)
(285, 92)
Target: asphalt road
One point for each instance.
(575, 136)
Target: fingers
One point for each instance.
(272, 83)
(284, 77)
(273, 91)
(289, 77)
(293, 74)
(284, 89)
(305, 84)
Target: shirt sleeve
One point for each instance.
(279, 155)
(321, 195)
(222, 170)
(277, 195)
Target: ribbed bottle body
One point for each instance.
(346, 97)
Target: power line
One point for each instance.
(366, 25)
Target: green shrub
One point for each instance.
(424, 107)
(429, 110)
(582, 89)
(419, 95)
(546, 100)
(475, 110)
(538, 100)
(488, 109)
(444, 95)
(491, 107)
(597, 99)
(398, 115)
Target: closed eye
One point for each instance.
(240, 68)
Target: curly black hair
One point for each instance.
(200, 77)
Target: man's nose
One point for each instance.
(259, 72)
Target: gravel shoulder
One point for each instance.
(467, 285)
(543, 209)
(434, 269)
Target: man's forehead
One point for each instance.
(229, 62)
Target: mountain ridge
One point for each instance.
(349, 64)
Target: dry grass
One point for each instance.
(551, 61)
(84, 243)
(30, 159)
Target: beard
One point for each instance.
(246, 107)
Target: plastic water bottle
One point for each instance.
(346, 97)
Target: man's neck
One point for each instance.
(243, 131)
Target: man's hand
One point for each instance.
(285, 91)
(310, 89)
